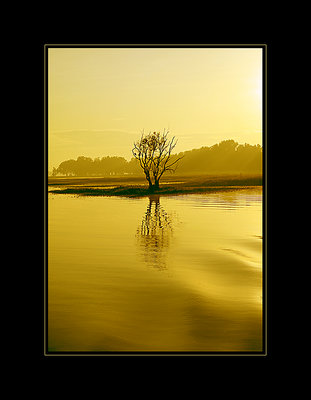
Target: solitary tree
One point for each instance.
(154, 153)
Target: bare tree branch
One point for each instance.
(154, 152)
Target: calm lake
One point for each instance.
(179, 273)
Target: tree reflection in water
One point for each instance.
(154, 234)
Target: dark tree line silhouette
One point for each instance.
(224, 157)
(227, 156)
(86, 166)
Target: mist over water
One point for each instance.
(180, 273)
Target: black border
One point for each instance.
(264, 351)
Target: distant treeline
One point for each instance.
(224, 157)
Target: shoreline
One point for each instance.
(137, 187)
(139, 192)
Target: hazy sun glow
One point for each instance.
(100, 99)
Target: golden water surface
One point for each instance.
(179, 273)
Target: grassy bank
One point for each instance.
(136, 187)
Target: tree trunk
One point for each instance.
(156, 184)
(149, 181)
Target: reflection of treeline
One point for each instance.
(227, 156)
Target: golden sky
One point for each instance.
(100, 99)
